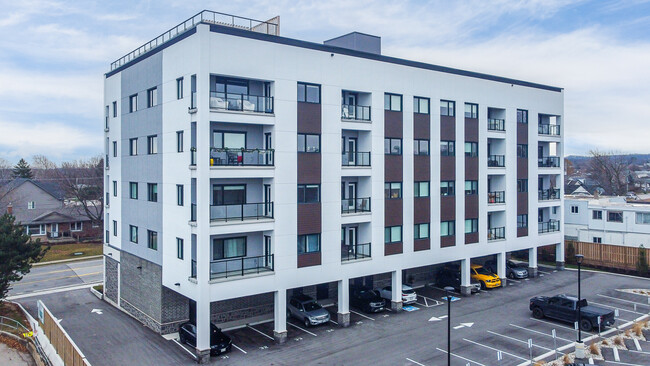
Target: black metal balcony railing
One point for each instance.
(241, 102)
(496, 124)
(548, 162)
(548, 194)
(355, 205)
(496, 161)
(193, 156)
(497, 197)
(548, 226)
(237, 267)
(354, 252)
(193, 212)
(241, 157)
(553, 130)
(355, 158)
(496, 233)
(357, 112)
(243, 211)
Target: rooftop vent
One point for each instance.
(357, 41)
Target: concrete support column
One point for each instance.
(396, 293)
(202, 350)
(280, 316)
(465, 279)
(559, 256)
(532, 262)
(343, 314)
(501, 268)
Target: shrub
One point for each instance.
(605, 342)
(638, 329)
(566, 360)
(618, 341)
(594, 350)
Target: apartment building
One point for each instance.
(244, 166)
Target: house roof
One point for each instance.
(51, 188)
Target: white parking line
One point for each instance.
(239, 348)
(544, 272)
(461, 357)
(332, 321)
(361, 315)
(304, 330)
(262, 333)
(415, 362)
(183, 347)
(616, 298)
(559, 325)
(517, 340)
(614, 307)
(494, 349)
(540, 333)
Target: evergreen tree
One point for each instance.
(22, 170)
(17, 253)
(642, 262)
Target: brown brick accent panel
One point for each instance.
(522, 203)
(309, 218)
(447, 208)
(421, 210)
(471, 129)
(471, 238)
(447, 241)
(393, 248)
(393, 212)
(309, 168)
(447, 128)
(393, 124)
(309, 118)
(471, 168)
(522, 231)
(393, 168)
(421, 126)
(522, 168)
(522, 133)
(448, 168)
(421, 244)
(471, 206)
(308, 259)
(421, 168)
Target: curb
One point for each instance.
(67, 260)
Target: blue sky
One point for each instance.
(53, 55)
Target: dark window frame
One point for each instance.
(180, 248)
(417, 231)
(388, 190)
(449, 190)
(451, 224)
(417, 188)
(180, 143)
(388, 99)
(152, 144)
(388, 239)
(223, 253)
(522, 221)
(304, 136)
(522, 185)
(179, 88)
(416, 105)
(302, 241)
(597, 215)
(473, 187)
(417, 147)
(180, 195)
(305, 86)
(133, 146)
(137, 188)
(611, 218)
(133, 103)
(474, 226)
(449, 144)
(152, 97)
(522, 116)
(115, 109)
(152, 240)
(390, 145)
(522, 150)
(473, 110)
(304, 187)
(133, 230)
(448, 103)
(473, 149)
(152, 192)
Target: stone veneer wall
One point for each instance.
(111, 285)
(241, 308)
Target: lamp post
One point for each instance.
(449, 290)
(580, 347)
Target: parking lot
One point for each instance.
(483, 324)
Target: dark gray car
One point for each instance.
(513, 270)
(307, 310)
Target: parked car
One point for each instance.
(408, 294)
(451, 277)
(307, 310)
(219, 342)
(486, 278)
(367, 300)
(513, 270)
(565, 308)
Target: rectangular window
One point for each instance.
(447, 148)
(392, 146)
(179, 248)
(180, 195)
(309, 243)
(522, 116)
(393, 102)
(114, 109)
(152, 192)
(308, 193)
(522, 151)
(393, 234)
(421, 189)
(615, 216)
(114, 188)
(228, 194)
(471, 226)
(133, 103)
(114, 149)
(421, 105)
(447, 108)
(421, 231)
(152, 144)
(471, 187)
(447, 228)
(522, 221)
(30, 205)
(421, 147)
(471, 110)
(393, 190)
(114, 228)
(471, 149)
(152, 97)
(575, 210)
(133, 190)
(192, 91)
(76, 226)
(598, 215)
(641, 217)
(228, 248)
(522, 185)
(179, 141)
(179, 88)
(152, 240)
(447, 188)
(133, 232)
(308, 93)
(308, 143)
(598, 240)
(133, 146)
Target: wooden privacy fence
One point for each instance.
(606, 255)
(63, 344)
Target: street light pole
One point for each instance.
(580, 348)
(449, 289)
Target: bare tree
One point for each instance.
(569, 169)
(609, 171)
(5, 170)
(44, 168)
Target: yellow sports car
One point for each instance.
(486, 278)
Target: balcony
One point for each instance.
(551, 130)
(355, 252)
(355, 112)
(548, 194)
(241, 102)
(496, 124)
(548, 226)
(496, 161)
(496, 233)
(355, 158)
(496, 197)
(355, 205)
(238, 267)
(241, 157)
(548, 162)
(241, 212)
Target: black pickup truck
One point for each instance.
(564, 308)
